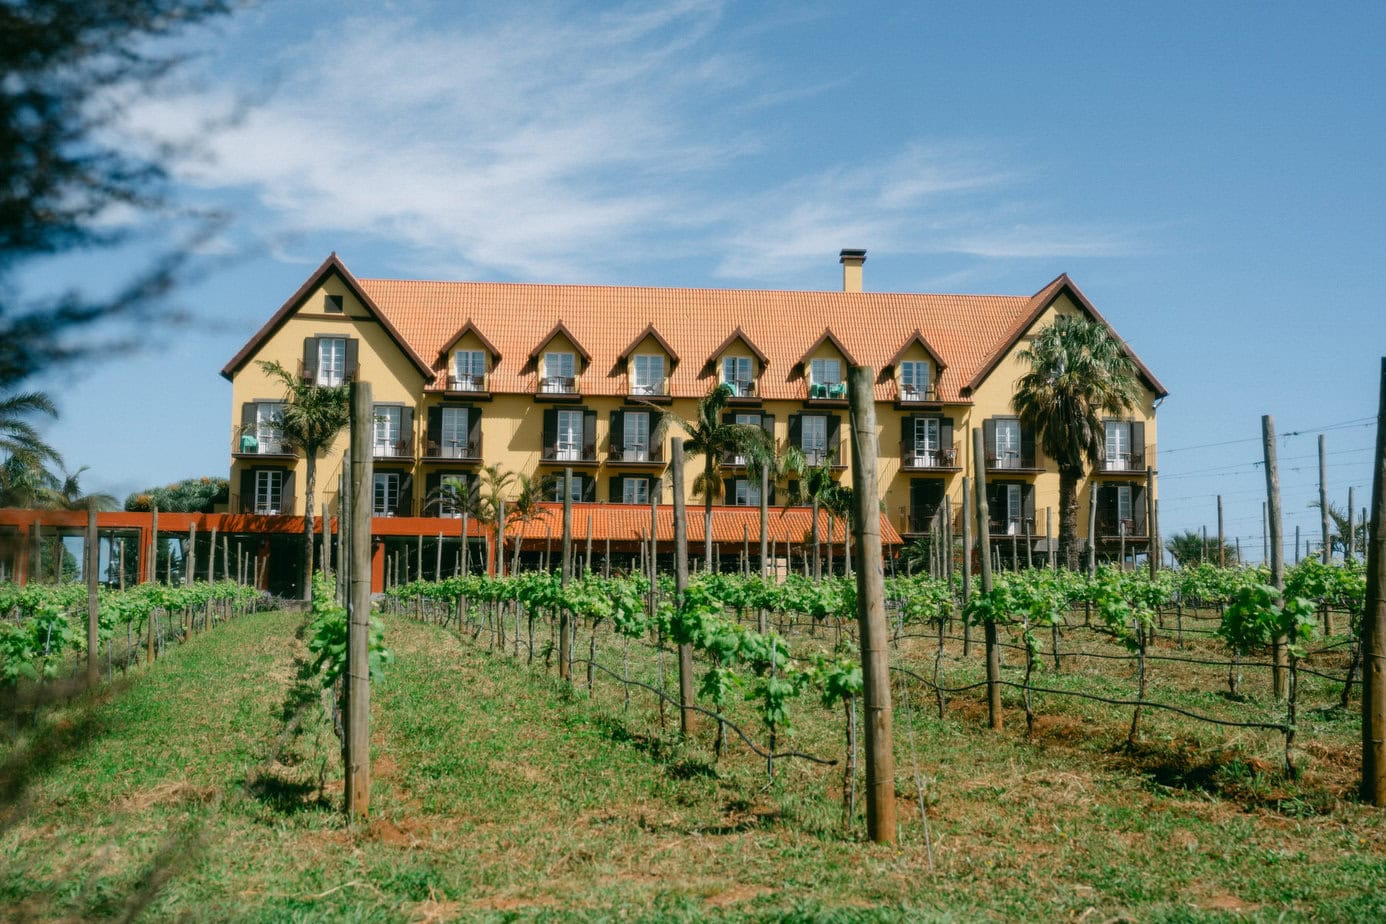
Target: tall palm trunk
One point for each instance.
(813, 538)
(1068, 516)
(707, 510)
(309, 488)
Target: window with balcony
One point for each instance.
(389, 423)
(737, 372)
(635, 490)
(332, 354)
(635, 436)
(560, 373)
(1008, 444)
(448, 493)
(745, 492)
(647, 374)
(386, 495)
(914, 380)
(1124, 446)
(453, 432)
(260, 430)
(813, 437)
(926, 441)
(825, 372)
(583, 488)
(468, 370)
(269, 492)
(568, 436)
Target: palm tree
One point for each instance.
(67, 495)
(713, 438)
(462, 495)
(1078, 373)
(816, 488)
(490, 503)
(1191, 549)
(25, 453)
(311, 418)
(525, 507)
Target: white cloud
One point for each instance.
(532, 145)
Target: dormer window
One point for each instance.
(737, 371)
(825, 372)
(647, 374)
(468, 370)
(560, 373)
(914, 380)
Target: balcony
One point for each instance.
(817, 456)
(1011, 526)
(327, 378)
(743, 391)
(259, 442)
(399, 449)
(1010, 461)
(825, 394)
(568, 454)
(913, 394)
(1122, 463)
(653, 392)
(636, 455)
(479, 385)
(921, 520)
(1111, 528)
(248, 505)
(913, 458)
(462, 450)
(559, 388)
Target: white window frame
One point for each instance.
(1015, 508)
(446, 508)
(1007, 448)
(469, 370)
(576, 490)
(557, 367)
(453, 439)
(389, 421)
(1124, 507)
(813, 437)
(385, 491)
(269, 438)
(745, 420)
(567, 441)
(745, 493)
(819, 369)
(647, 374)
(738, 372)
(635, 490)
(269, 492)
(1118, 435)
(331, 361)
(927, 432)
(914, 379)
(635, 436)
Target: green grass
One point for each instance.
(209, 788)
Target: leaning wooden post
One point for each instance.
(190, 565)
(1279, 678)
(967, 558)
(358, 676)
(871, 622)
(90, 567)
(979, 466)
(1151, 539)
(1092, 529)
(686, 713)
(564, 619)
(1350, 544)
(154, 544)
(1323, 498)
(1374, 626)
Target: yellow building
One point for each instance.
(536, 378)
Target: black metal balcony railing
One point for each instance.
(264, 507)
(914, 456)
(1008, 459)
(637, 454)
(568, 452)
(915, 393)
(402, 448)
(259, 440)
(921, 519)
(659, 389)
(467, 449)
(1012, 526)
(1124, 462)
(825, 391)
(1114, 527)
(817, 456)
(468, 383)
(559, 385)
(312, 375)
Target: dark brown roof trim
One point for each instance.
(650, 331)
(919, 339)
(561, 328)
(829, 337)
(470, 328)
(332, 264)
(734, 336)
(1043, 299)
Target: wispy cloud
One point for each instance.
(534, 145)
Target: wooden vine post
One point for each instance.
(358, 676)
(875, 640)
(979, 471)
(1323, 499)
(564, 619)
(686, 713)
(89, 568)
(1374, 625)
(1279, 670)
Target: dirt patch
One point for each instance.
(168, 794)
(735, 896)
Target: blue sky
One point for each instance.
(1209, 174)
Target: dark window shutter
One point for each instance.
(618, 432)
(1107, 505)
(834, 434)
(406, 431)
(907, 431)
(793, 488)
(351, 358)
(728, 491)
(432, 481)
(589, 489)
(796, 430)
(1138, 440)
(474, 431)
(589, 434)
(435, 430)
(247, 490)
(989, 438)
(1027, 447)
(286, 504)
(613, 489)
(996, 502)
(770, 498)
(945, 437)
(1138, 507)
(406, 496)
(248, 416)
(767, 423)
(728, 418)
(310, 358)
(1028, 495)
(550, 431)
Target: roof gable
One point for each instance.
(918, 338)
(331, 265)
(560, 328)
(469, 328)
(650, 332)
(827, 337)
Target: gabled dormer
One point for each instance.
(738, 363)
(824, 369)
(560, 361)
(467, 361)
(915, 369)
(647, 364)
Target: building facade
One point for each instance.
(538, 378)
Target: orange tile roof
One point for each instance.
(965, 330)
(630, 523)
